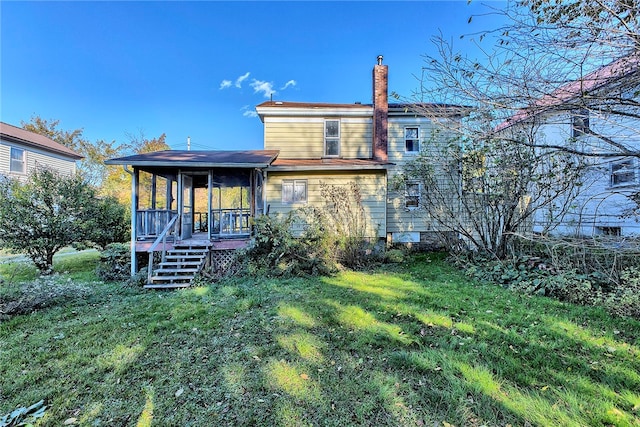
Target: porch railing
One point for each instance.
(151, 222)
(172, 227)
(230, 222)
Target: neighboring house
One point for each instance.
(22, 151)
(214, 194)
(598, 115)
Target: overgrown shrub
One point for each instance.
(277, 251)
(624, 298)
(115, 262)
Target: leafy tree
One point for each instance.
(92, 166)
(50, 211)
(117, 183)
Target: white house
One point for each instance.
(598, 119)
(22, 151)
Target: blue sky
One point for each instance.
(198, 69)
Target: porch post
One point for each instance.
(134, 219)
(209, 195)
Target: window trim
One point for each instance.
(407, 194)
(332, 138)
(617, 168)
(23, 160)
(417, 139)
(293, 183)
(579, 123)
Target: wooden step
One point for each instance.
(176, 270)
(166, 285)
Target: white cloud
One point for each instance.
(225, 84)
(290, 83)
(242, 78)
(266, 88)
(247, 111)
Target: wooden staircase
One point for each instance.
(180, 265)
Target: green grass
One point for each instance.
(416, 346)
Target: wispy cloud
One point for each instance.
(242, 78)
(260, 86)
(290, 83)
(248, 112)
(225, 84)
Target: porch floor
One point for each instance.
(199, 238)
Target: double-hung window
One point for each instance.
(411, 139)
(412, 195)
(579, 123)
(17, 160)
(332, 138)
(294, 191)
(623, 172)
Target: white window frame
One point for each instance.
(579, 123)
(328, 138)
(22, 161)
(290, 195)
(416, 139)
(626, 168)
(410, 196)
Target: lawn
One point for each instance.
(408, 345)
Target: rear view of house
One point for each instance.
(199, 202)
(22, 151)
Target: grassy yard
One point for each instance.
(414, 345)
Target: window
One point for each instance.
(17, 160)
(412, 195)
(579, 123)
(609, 231)
(332, 138)
(411, 141)
(294, 191)
(623, 172)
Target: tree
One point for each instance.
(117, 183)
(50, 211)
(546, 58)
(480, 193)
(91, 167)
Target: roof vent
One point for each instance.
(278, 102)
(379, 59)
(358, 103)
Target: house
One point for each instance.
(200, 203)
(597, 118)
(22, 151)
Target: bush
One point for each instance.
(624, 298)
(115, 262)
(276, 251)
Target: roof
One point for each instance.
(199, 159)
(593, 81)
(327, 164)
(16, 134)
(281, 108)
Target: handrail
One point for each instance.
(161, 237)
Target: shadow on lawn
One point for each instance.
(473, 363)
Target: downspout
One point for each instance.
(134, 207)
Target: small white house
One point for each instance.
(22, 151)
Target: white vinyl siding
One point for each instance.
(33, 158)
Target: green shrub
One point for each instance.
(624, 298)
(277, 251)
(394, 256)
(115, 262)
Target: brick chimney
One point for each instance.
(380, 110)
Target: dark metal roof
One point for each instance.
(19, 135)
(199, 159)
